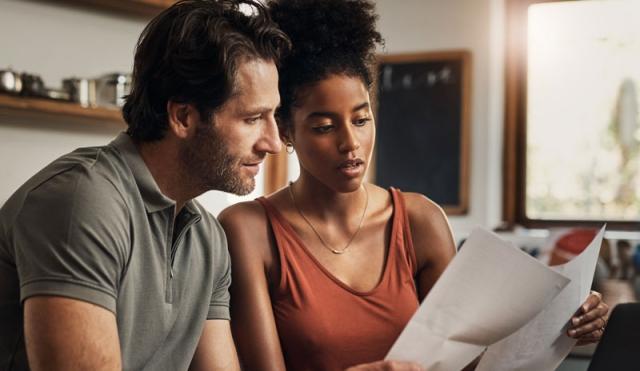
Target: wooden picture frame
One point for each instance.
(275, 171)
(422, 104)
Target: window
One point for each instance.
(572, 134)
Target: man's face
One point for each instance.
(225, 154)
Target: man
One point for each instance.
(106, 262)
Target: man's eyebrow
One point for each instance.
(322, 114)
(257, 110)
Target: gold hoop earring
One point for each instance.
(289, 147)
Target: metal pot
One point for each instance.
(57, 94)
(32, 85)
(10, 81)
(111, 89)
(82, 91)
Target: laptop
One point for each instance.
(619, 348)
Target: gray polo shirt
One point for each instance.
(94, 226)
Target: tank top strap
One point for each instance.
(403, 229)
(270, 211)
(283, 237)
(279, 225)
(266, 205)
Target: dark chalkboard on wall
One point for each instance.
(423, 126)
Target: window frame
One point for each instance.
(515, 127)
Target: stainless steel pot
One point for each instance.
(32, 85)
(82, 91)
(57, 94)
(10, 81)
(112, 88)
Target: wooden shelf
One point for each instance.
(144, 8)
(23, 106)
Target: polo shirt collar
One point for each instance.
(153, 198)
(191, 207)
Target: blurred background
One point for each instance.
(549, 146)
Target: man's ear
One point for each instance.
(183, 119)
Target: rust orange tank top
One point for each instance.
(323, 324)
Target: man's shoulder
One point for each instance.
(90, 177)
(209, 226)
(93, 164)
(92, 170)
(205, 214)
(103, 165)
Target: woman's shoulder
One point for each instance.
(430, 230)
(250, 218)
(248, 234)
(422, 210)
(245, 224)
(242, 213)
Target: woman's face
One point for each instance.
(334, 132)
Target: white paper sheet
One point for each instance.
(542, 344)
(488, 291)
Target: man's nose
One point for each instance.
(270, 139)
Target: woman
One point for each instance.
(328, 271)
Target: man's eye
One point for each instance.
(253, 120)
(323, 129)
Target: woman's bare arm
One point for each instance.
(252, 321)
(432, 240)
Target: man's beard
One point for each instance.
(209, 163)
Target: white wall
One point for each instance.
(58, 41)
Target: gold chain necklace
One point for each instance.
(353, 236)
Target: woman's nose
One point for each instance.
(349, 142)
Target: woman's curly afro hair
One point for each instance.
(328, 37)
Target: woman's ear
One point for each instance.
(183, 119)
(286, 136)
(285, 133)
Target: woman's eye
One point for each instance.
(362, 121)
(323, 129)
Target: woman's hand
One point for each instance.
(387, 366)
(588, 324)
